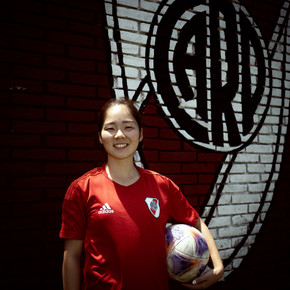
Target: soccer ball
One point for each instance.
(186, 252)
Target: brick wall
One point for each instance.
(54, 77)
(55, 74)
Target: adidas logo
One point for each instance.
(105, 209)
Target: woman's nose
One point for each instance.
(119, 134)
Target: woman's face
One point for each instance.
(120, 134)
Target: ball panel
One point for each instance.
(186, 246)
(187, 252)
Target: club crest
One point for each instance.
(153, 206)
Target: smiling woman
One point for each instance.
(120, 134)
(109, 212)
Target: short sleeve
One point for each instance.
(180, 209)
(73, 214)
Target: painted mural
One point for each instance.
(220, 84)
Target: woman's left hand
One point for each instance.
(206, 280)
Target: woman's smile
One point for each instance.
(120, 134)
(120, 146)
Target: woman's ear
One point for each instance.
(141, 135)
(100, 138)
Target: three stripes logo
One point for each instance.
(105, 209)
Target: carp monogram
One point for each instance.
(222, 87)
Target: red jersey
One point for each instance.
(123, 228)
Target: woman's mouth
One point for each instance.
(123, 145)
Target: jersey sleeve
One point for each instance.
(73, 214)
(180, 209)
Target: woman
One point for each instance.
(118, 212)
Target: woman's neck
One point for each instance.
(123, 173)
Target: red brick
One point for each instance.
(100, 44)
(73, 90)
(4, 69)
(151, 108)
(4, 14)
(38, 100)
(20, 167)
(183, 178)
(26, 252)
(20, 57)
(22, 113)
(86, 155)
(22, 195)
(194, 202)
(87, 53)
(20, 140)
(159, 144)
(5, 98)
(20, 223)
(104, 93)
(178, 156)
(209, 157)
(200, 168)
(82, 103)
(189, 147)
(166, 168)
(37, 46)
(51, 236)
(5, 209)
(20, 29)
(70, 13)
(50, 222)
(20, 267)
(39, 127)
(4, 153)
(86, 28)
(21, 85)
(71, 64)
(196, 189)
(83, 129)
(95, 6)
(38, 182)
(151, 156)
(154, 121)
(39, 154)
(4, 41)
(70, 38)
(39, 73)
(202, 199)
(89, 79)
(4, 126)
(168, 134)
(39, 20)
(70, 141)
(69, 168)
(102, 68)
(28, 5)
(206, 178)
(37, 209)
(55, 193)
(70, 115)
(150, 132)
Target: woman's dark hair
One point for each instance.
(119, 101)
